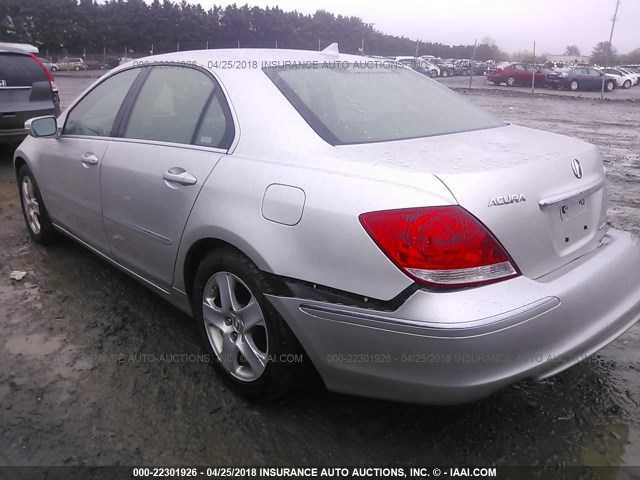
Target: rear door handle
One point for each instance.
(180, 176)
(89, 159)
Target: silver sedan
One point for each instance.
(320, 211)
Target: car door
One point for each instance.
(595, 78)
(178, 128)
(73, 160)
(520, 74)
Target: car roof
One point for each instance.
(203, 57)
(17, 48)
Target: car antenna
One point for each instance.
(331, 50)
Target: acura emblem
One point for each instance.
(577, 168)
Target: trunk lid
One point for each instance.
(520, 183)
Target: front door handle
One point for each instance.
(180, 176)
(89, 159)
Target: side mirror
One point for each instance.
(42, 127)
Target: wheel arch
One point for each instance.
(18, 162)
(203, 246)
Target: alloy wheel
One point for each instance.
(30, 205)
(235, 326)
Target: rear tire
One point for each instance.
(434, 73)
(627, 84)
(33, 209)
(250, 345)
(574, 85)
(445, 73)
(497, 83)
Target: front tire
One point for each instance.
(511, 81)
(496, 83)
(33, 209)
(434, 73)
(250, 345)
(574, 85)
(609, 86)
(627, 84)
(445, 73)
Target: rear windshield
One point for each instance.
(360, 103)
(20, 70)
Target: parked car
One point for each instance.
(633, 68)
(68, 63)
(515, 74)
(622, 78)
(420, 65)
(396, 241)
(27, 89)
(92, 65)
(635, 75)
(583, 78)
(445, 66)
(111, 62)
(49, 64)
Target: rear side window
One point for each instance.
(351, 105)
(180, 105)
(96, 113)
(20, 70)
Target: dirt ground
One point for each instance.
(86, 376)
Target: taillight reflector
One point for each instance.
(445, 246)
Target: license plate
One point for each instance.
(572, 210)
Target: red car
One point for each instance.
(516, 74)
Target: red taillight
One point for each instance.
(445, 246)
(52, 80)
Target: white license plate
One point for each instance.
(573, 209)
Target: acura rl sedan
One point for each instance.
(315, 211)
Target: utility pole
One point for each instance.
(473, 63)
(606, 51)
(533, 73)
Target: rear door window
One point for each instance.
(180, 105)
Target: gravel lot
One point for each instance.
(82, 381)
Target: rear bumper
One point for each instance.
(445, 348)
(12, 123)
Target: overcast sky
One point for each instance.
(513, 24)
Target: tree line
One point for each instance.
(61, 26)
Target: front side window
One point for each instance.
(365, 104)
(171, 107)
(95, 114)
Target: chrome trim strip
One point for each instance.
(14, 88)
(112, 261)
(136, 228)
(518, 314)
(557, 200)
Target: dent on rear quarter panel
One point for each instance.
(328, 245)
